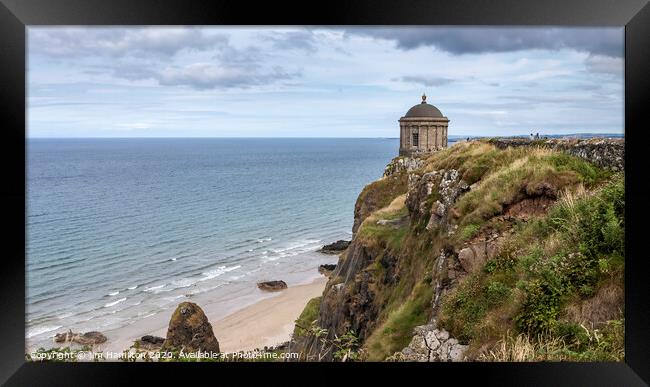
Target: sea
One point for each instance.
(119, 230)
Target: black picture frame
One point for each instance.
(16, 15)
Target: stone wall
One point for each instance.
(604, 152)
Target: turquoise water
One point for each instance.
(122, 229)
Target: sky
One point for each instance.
(321, 81)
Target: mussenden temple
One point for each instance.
(423, 129)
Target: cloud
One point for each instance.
(203, 75)
(477, 40)
(293, 40)
(137, 54)
(62, 42)
(131, 71)
(604, 64)
(209, 76)
(425, 80)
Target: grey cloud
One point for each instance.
(426, 80)
(201, 76)
(604, 65)
(476, 40)
(293, 40)
(204, 76)
(132, 71)
(61, 42)
(138, 54)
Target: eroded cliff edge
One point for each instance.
(488, 250)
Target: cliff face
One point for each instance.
(454, 251)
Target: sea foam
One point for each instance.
(40, 330)
(114, 302)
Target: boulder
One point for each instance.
(88, 338)
(150, 342)
(431, 344)
(152, 339)
(475, 255)
(394, 223)
(272, 286)
(335, 248)
(326, 269)
(190, 330)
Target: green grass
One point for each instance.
(379, 194)
(469, 231)
(396, 332)
(307, 317)
(385, 235)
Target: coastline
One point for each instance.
(263, 322)
(267, 322)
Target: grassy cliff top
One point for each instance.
(551, 284)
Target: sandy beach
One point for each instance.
(266, 322)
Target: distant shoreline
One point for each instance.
(451, 136)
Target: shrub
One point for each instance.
(496, 293)
(469, 231)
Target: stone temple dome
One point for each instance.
(422, 130)
(423, 109)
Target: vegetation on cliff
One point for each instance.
(516, 252)
(543, 275)
(308, 316)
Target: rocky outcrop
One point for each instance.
(335, 248)
(449, 186)
(475, 254)
(348, 300)
(403, 164)
(432, 344)
(190, 330)
(88, 338)
(604, 152)
(420, 188)
(326, 269)
(272, 286)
